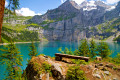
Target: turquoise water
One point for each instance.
(50, 48)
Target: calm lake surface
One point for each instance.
(50, 48)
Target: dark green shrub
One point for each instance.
(74, 73)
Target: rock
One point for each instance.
(45, 56)
(104, 69)
(106, 72)
(96, 66)
(97, 76)
(89, 67)
(101, 64)
(57, 58)
(57, 72)
(47, 76)
(109, 66)
(115, 79)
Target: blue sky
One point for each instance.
(38, 7)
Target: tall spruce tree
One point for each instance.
(103, 50)
(93, 48)
(83, 48)
(12, 59)
(32, 50)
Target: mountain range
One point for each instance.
(73, 22)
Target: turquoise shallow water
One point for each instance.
(50, 48)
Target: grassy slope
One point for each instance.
(18, 32)
(107, 29)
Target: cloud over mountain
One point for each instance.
(26, 12)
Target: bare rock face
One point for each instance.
(72, 21)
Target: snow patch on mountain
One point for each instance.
(112, 7)
(89, 9)
(91, 3)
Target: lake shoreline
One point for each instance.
(53, 41)
(17, 43)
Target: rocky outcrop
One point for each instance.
(72, 21)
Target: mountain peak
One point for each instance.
(69, 4)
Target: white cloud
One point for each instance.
(111, 1)
(27, 12)
(6, 3)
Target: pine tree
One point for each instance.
(76, 52)
(83, 48)
(60, 50)
(92, 49)
(103, 50)
(33, 51)
(66, 50)
(70, 52)
(12, 59)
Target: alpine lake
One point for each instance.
(49, 49)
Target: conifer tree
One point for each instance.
(60, 50)
(32, 50)
(92, 49)
(12, 59)
(66, 51)
(76, 52)
(103, 50)
(70, 52)
(83, 48)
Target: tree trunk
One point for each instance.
(2, 6)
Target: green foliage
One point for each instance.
(74, 73)
(18, 36)
(78, 62)
(33, 25)
(103, 50)
(66, 51)
(76, 52)
(92, 49)
(47, 22)
(117, 59)
(12, 59)
(46, 67)
(32, 50)
(117, 38)
(60, 50)
(83, 48)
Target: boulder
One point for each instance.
(109, 66)
(97, 76)
(115, 79)
(57, 72)
(106, 72)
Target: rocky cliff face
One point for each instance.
(71, 22)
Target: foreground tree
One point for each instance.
(74, 73)
(60, 50)
(13, 4)
(117, 59)
(83, 48)
(12, 59)
(93, 49)
(103, 50)
(32, 50)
